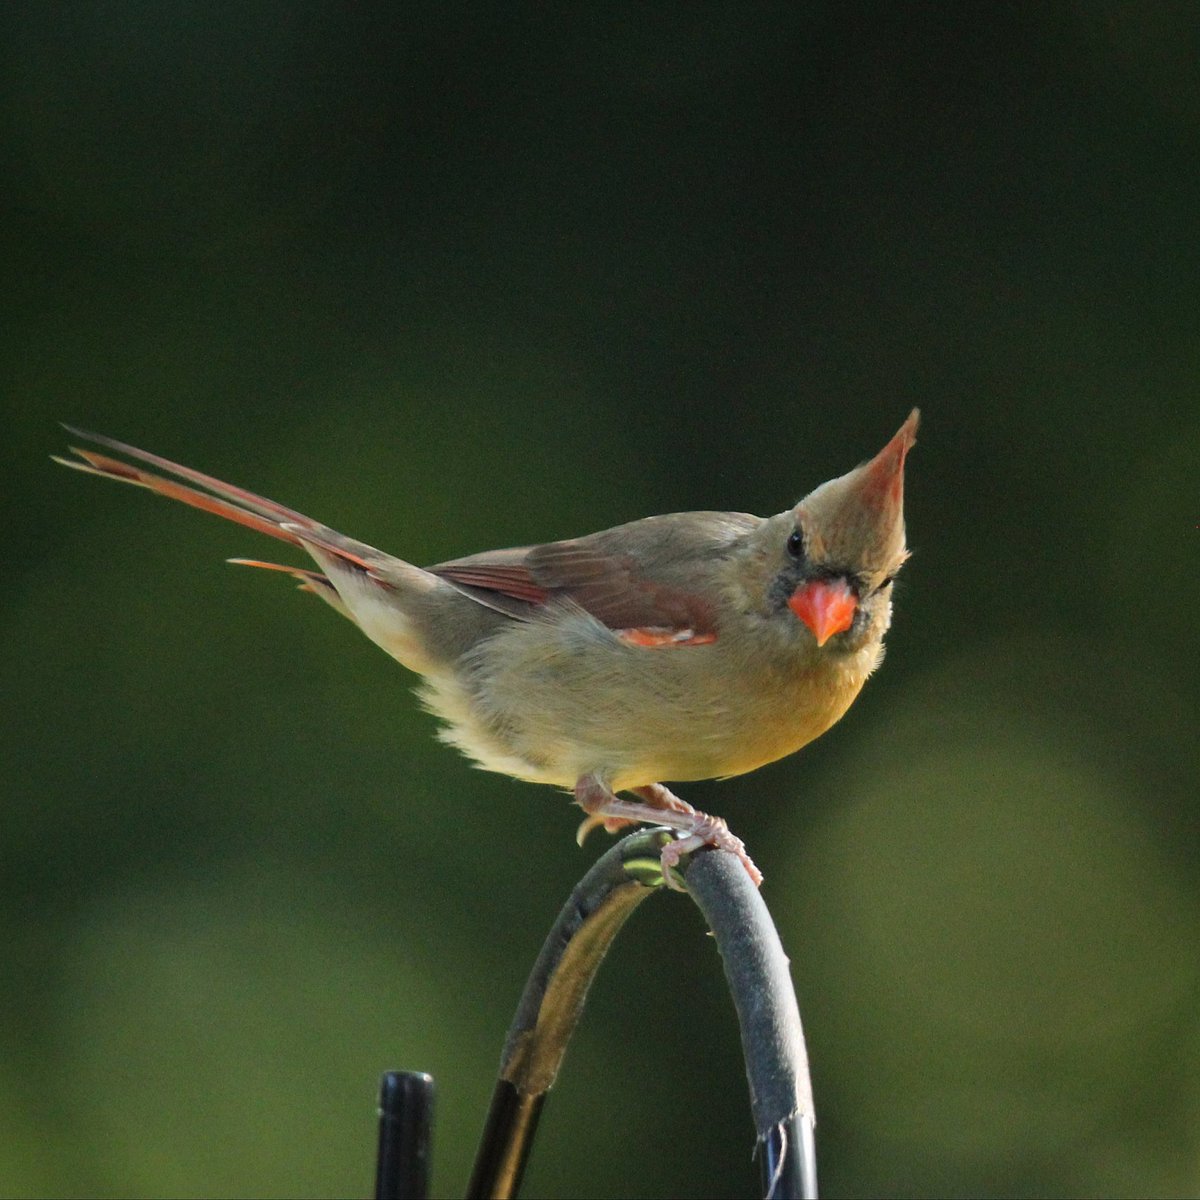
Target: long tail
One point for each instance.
(225, 500)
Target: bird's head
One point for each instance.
(844, 546)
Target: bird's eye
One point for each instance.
(795, 544)
(886, 583)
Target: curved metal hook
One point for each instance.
(552, 1003)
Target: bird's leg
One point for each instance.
(658, 806)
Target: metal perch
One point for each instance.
(759, 980)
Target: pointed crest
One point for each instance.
(859, 517)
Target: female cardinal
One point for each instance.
(686, 646)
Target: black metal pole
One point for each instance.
(507, 1140)
(405, 1129)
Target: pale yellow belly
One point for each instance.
(553, 712)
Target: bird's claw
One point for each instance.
(611, 825)
(706, 831)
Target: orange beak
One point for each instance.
(826, 606)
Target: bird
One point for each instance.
(677, 647)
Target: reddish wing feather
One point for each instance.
(508, 580)
(657, 638)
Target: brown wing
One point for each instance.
(644, 580)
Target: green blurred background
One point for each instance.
(463, 275)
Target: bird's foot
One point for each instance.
(708, 831)
(659, 806)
